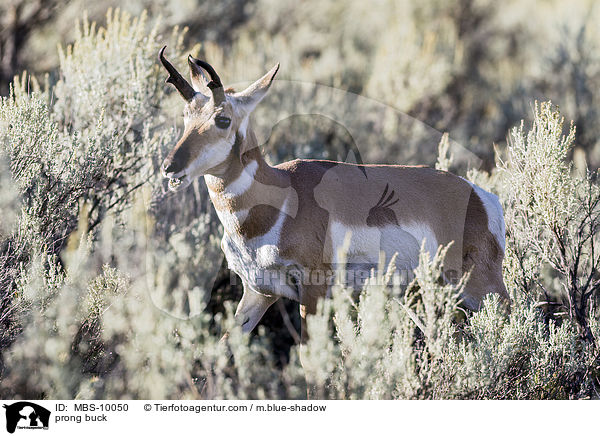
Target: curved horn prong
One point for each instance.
(176, 79)
(215, 85)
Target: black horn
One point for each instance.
(215, 85)
(176, 79)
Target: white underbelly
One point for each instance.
(365, 245)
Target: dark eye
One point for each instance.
(222, 122)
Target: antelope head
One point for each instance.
(214, 119)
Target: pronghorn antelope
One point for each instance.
(285, 223)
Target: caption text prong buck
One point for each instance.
(290, 219)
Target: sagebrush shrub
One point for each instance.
(69, 148)
(553, 216)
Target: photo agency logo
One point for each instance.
(282, 227)
(25, 415)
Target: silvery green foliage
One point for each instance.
(9, 199)
(520, 356)
(553, 217)
(58, 305)
(52, 170)
(111, 336)
(111, 69)
(445, 158)
(419, 346)
(389, 344)
(96, 140)
(89, 142)
(427, 35)
(122, 333)
(123, 86)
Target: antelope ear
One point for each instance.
(249, 98)
(198, 77)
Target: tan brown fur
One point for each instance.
(475, 249)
